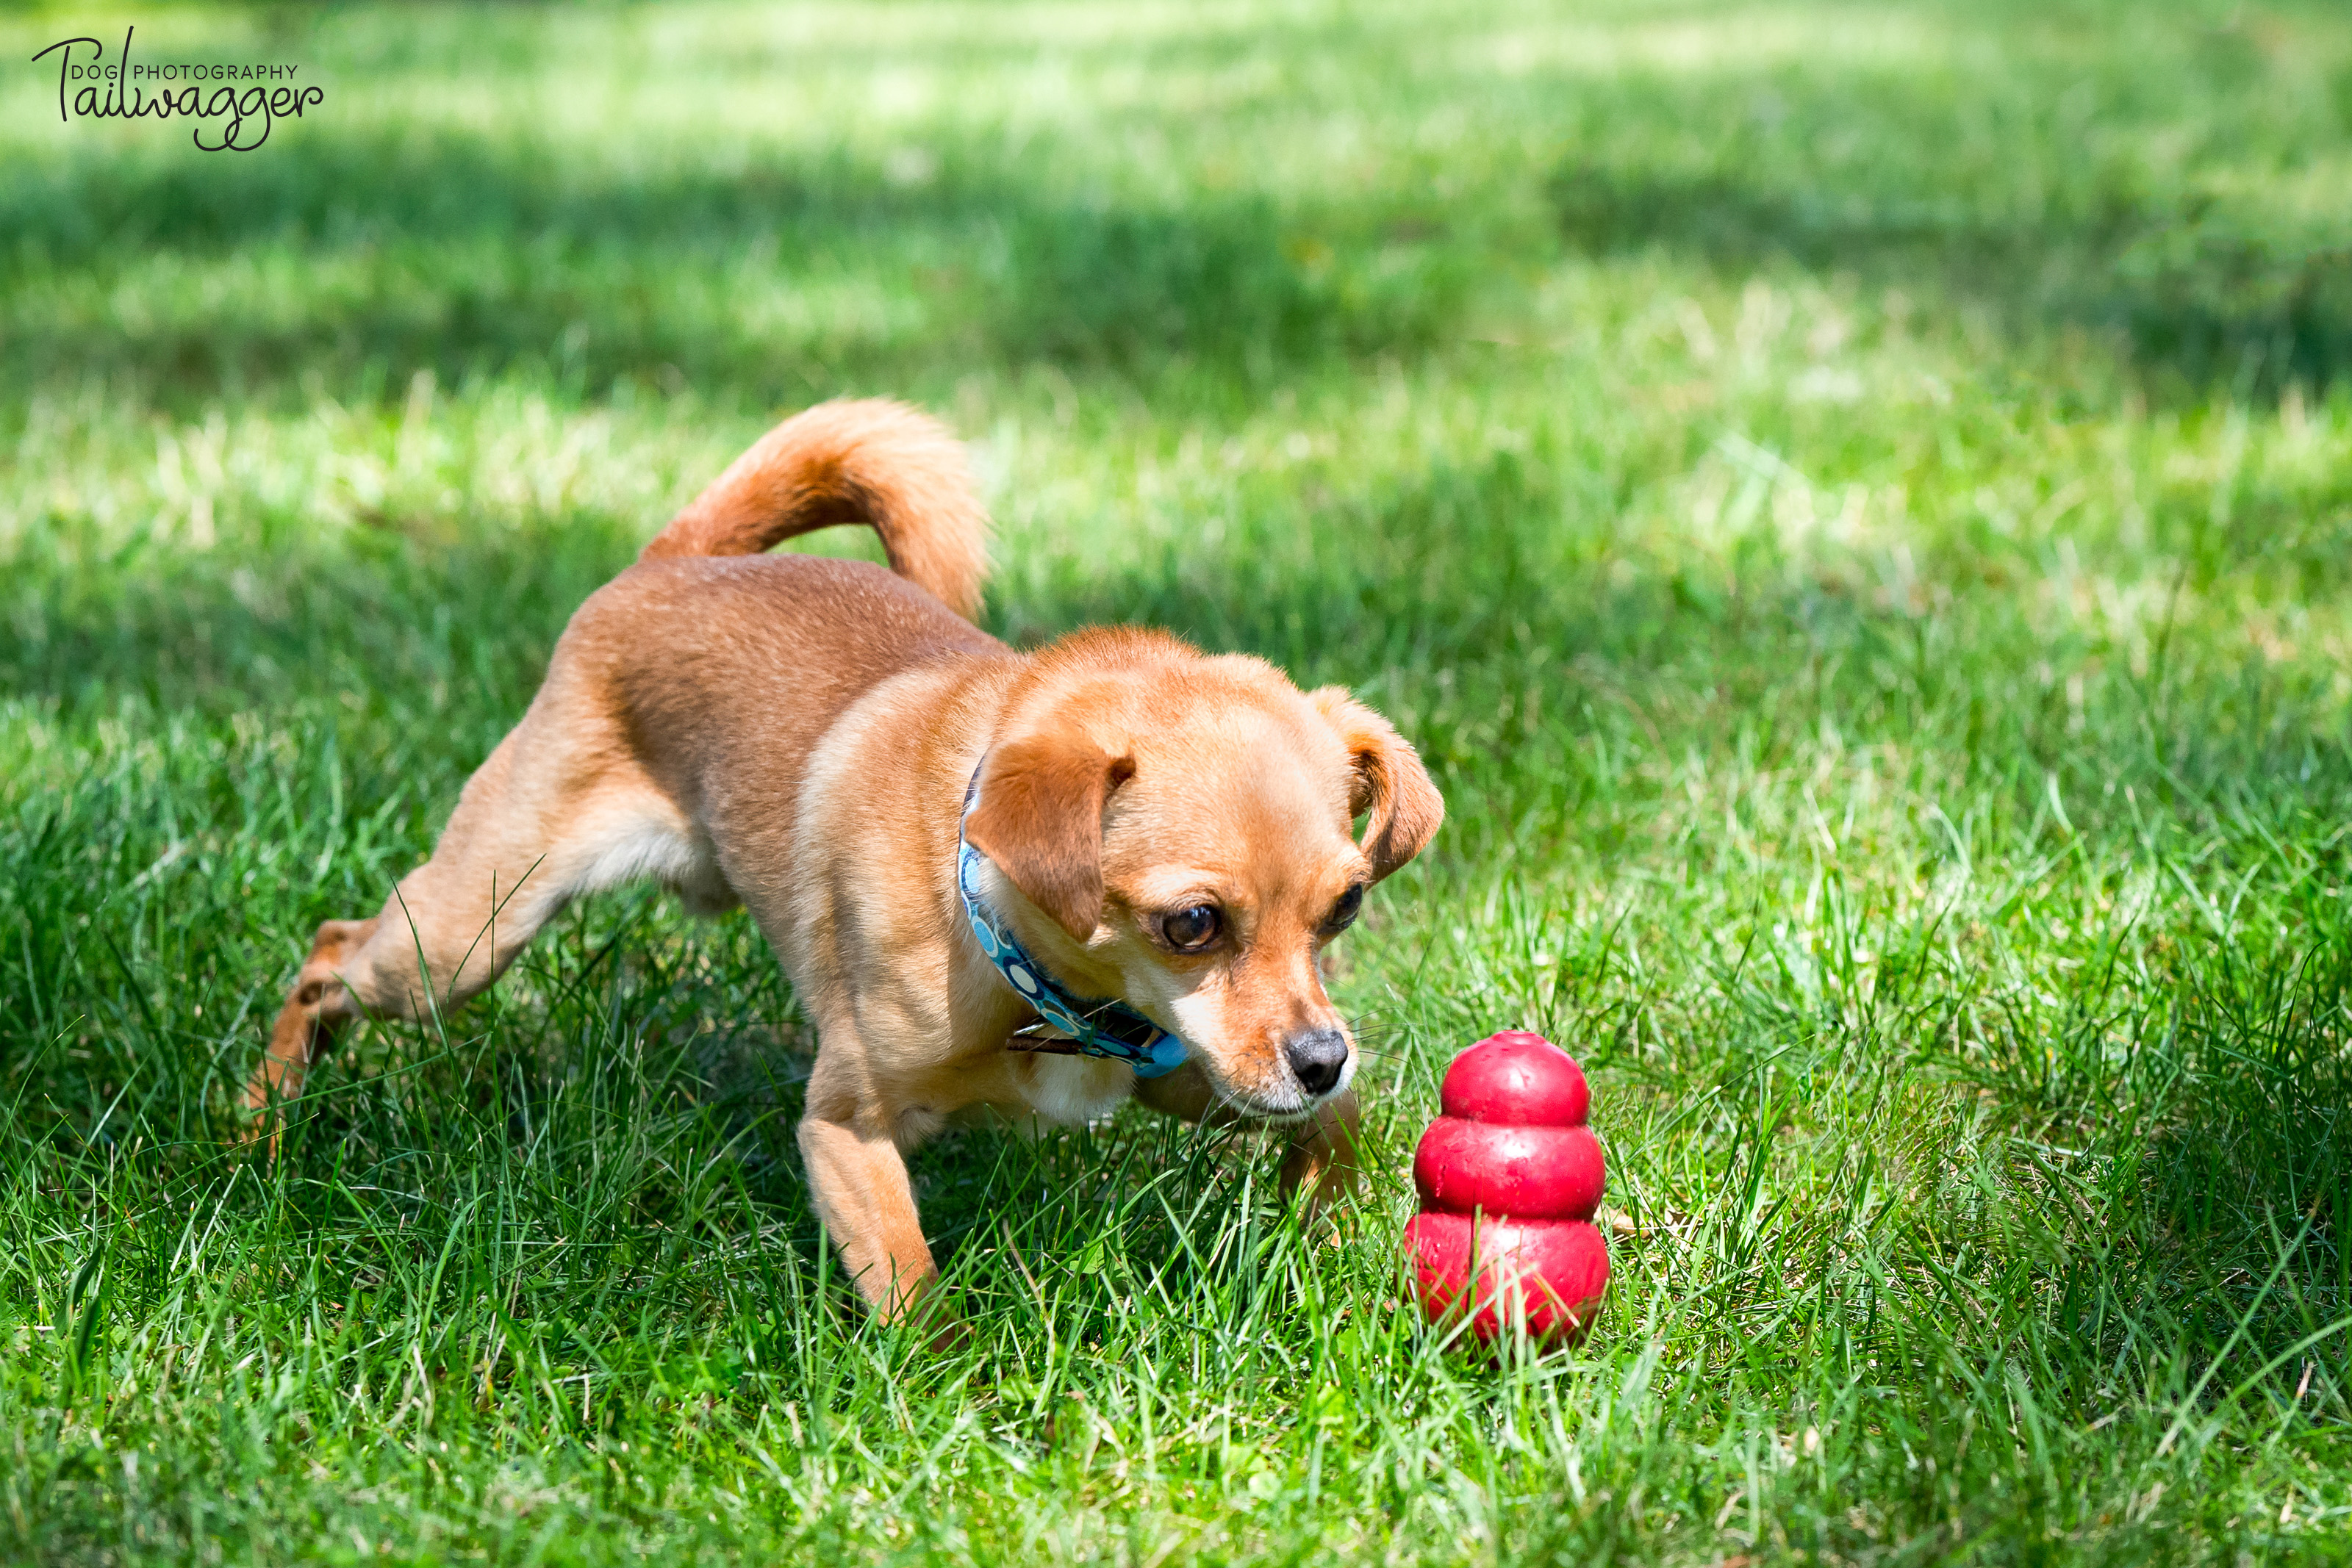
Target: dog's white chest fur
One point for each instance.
(1076, 1090)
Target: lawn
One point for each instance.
(1853, 502)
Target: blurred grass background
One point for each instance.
(1853, 502)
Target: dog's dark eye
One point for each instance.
(1190, 930)
(1343, 914)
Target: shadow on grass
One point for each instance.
(2200, 300)
(2042, 197)
(2270, 1132)
(341, 259)
(354, 260)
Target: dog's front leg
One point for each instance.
(1324, 1152)
(857, 1181)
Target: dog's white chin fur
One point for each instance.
(1301, 1109)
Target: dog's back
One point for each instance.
(728, 670)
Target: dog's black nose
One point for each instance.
(1317, 1057)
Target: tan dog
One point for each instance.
(801, 735)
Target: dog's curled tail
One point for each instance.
(868, 460)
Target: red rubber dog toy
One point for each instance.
(1510, 1176)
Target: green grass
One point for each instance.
(1853, 502)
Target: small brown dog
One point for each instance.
(929, 828)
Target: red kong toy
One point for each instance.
(1509, 1176)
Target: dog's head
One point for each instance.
(1179, 832)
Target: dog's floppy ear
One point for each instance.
(1390, 787)
(1039, 818)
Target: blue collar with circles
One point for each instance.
(1107, 1028)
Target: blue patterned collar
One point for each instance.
(1107, 1028)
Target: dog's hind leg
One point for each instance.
(558, 810)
